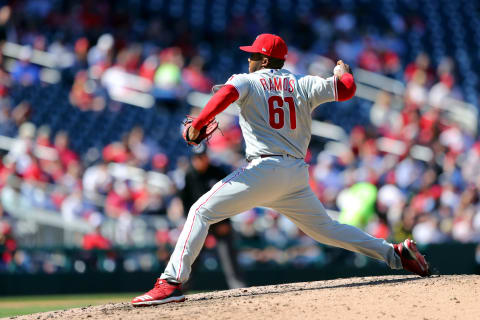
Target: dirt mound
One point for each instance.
(386, 297)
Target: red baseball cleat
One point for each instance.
(412, 259)
(162, 292)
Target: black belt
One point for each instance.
(249, 159)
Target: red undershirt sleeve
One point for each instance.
(346, 87)
(219, 102)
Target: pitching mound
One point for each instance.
(386, 297)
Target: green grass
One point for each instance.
(20, 305)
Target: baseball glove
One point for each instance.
(205, 132)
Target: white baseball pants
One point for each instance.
(280, 183)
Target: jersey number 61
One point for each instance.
(275, 107)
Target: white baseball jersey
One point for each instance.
(275, 109)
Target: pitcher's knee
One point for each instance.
(204, 214)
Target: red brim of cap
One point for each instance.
(249, 49)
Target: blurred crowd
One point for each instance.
(419, 168)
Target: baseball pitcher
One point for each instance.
(275, 118)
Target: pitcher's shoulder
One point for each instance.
(242, 82)
(239, 76)
(311, 80)
(309, 77)
(240, 79)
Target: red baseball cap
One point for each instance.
(268, 44)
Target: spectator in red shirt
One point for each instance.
(95, 240)
(119, 200)
(195, 78)
(421, 63)
(33, 172)
(117, 151)
(65, 154)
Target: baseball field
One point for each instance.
(385, 297)
(20, 305)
